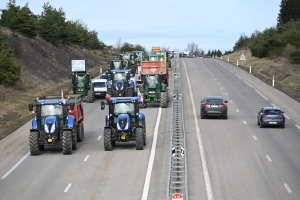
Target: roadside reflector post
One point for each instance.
(237, 63)
(228, 59)
(273, 82)
(250, 69)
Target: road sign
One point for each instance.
(242, 57)
(177, 196)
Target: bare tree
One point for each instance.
(118, 44)
(194, 48)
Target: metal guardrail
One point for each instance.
(178, 167)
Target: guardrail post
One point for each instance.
(250, 69)
(237, 63)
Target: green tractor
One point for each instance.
(154, 90)
(81, 84)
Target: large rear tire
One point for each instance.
(163, 100)
(67, 142)
(91, 96)
(139, 139)
(107, 140)
(80, 132)
(74, 140)
(144, 131)
(34, 143)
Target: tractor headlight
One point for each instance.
(52, 128)
(46, 128)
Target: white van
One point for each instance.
(100, 87)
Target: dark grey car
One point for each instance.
(213, 106)
(271, 116)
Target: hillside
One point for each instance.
(286, 75)
(45, 70)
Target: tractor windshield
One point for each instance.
(47, 110)
(117, 64)
(120, 76)
(152, 80)
(123, 108)
(80, 79)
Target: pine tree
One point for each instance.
(289, 9)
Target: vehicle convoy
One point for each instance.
(155, 78)
(124, 122)
(213, 106)
(122, 84)
(271, 116)
(100, 87)
(81, 81)
(57, 121)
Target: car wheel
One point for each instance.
(225, 117)
(261, 125)
(283, 126)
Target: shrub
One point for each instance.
(295, 57)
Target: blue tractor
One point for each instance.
(55, 124)
(124, 122)
(121, 84)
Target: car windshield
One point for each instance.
(122, 108)
(219, 101)
(47, 110)
(99, 84)
(272, 112)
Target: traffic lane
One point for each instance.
(272, 147)
(196, 183)
(161, 165)
(221, 138)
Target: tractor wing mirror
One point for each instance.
(30, 107)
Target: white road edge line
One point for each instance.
(201, 149)
(99, 137)
(268, 157)
(261, 95)
(298, 126)
(287, 116)
(87, 157)
(15, 166)
(68, 187)
(255, 138)
(287, 188)
(231, 71)
(248, 84)
(151, 158)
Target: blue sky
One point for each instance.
(169, 23)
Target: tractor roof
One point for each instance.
(51, 101)
(121, 71)
(123, 99)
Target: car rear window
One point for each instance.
(214, 101)
(272, 112)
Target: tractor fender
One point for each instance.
(141, 116)
(71, 121)
(34, 123)
(131, 84)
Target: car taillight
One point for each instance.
(223, 106)
(281, 116)
(205, 105)
(263, 116)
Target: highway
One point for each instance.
(226, 159)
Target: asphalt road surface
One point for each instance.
(242, 161)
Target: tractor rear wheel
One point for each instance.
(34, 143)
(91, 96)
(163, 100)
(107, 140)
(74, 140)
(67, 142)
(144, 131)
(139, 139)
(80, 132)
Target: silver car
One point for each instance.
(213, 106)
(271, 116)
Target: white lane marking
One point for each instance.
(298, 126)
(231, 71)
(87, 157)
(99, 137)
(273, 104)
(151, 159)
(237, 110)
(231, 101)
(15, 166)
(261, 95)
(226, 94)
(68, 187)
(201, 148)
(218, 83)
(287, 116)
(255, 138)
(245, 122)
(287, 188)
(222, 88)
(268, 157)
(238, 76)
(248, 84)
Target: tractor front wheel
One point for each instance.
(163, 100)
(107, 140)
(139, 139)
(34, 143)
(91, 96)
(67, 142)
